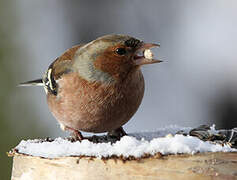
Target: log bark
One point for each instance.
(199, 166)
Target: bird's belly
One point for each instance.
(96, 108)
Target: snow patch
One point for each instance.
(136, 145)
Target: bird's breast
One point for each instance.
(96, 107)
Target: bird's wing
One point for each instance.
(62, 65)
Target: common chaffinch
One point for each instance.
(97, 87)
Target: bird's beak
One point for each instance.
(143, 54)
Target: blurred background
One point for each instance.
(195, 85)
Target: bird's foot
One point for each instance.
(111, 137)
(77, 135)
(117, 133)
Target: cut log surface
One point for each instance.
(218, 165)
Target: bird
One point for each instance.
(97, 87)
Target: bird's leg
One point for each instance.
(118, 133)
(77, 136)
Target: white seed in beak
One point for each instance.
(148, 54)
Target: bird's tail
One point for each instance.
(37, 82)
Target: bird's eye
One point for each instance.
(121, 51)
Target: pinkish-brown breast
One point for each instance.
(96, 107)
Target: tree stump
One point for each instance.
(219, 165)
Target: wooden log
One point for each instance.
(199, 166)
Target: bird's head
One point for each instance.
(112, 57)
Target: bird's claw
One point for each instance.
(75, 136)
(117, 133)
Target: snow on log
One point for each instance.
(151, 155)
